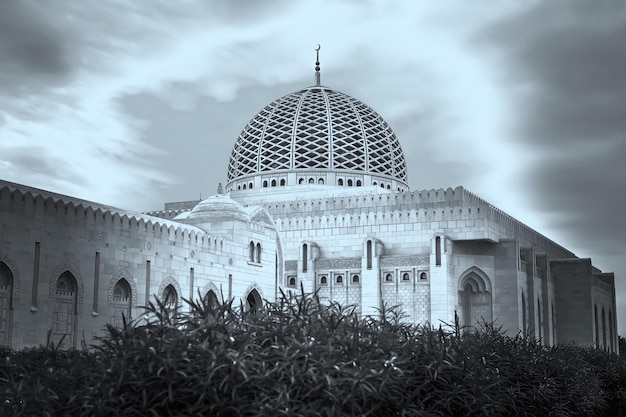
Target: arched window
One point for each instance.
(340, 181)
(388, 278)
(355, 278)
(320, 181)
(339, 279)
(423, 276)
(122, 299)
(64, 316)
(311, 180)
(282, 181)
(6, 293)
(292, 281)
(369, 254)
(211, 300)
(374, 183)
(273, 183)
(388, 186)
(301, 181)
(251, 252)
(304, 257)
(258, 253)
(323, 280)
(264, 183)
(244, 186)
(170, 297)
(358, 183)
(250, 185)
(349, 183)
(253, 301)
(406, 276)
(382, 185)
(438, 251)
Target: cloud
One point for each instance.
(564, 66)
(32, 48)
(568, 63)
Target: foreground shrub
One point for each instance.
(299, 357)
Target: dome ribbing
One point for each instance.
(318, 130)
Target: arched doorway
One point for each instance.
(64, 316)
(6, 293)
(254, 301)
(122, 299)
(475, 297)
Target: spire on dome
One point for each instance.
(317, 65)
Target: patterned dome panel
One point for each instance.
(317, 129)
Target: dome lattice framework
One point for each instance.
(318, 130)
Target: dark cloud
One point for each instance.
(564, 66)
(570, 60)
(34, 52)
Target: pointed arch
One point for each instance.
(170, 284)
(210, 287)
(67, 266)
(65, 312)
(475, 296)
(121, 303)
(125, 275)
(6, 304)
(253, 297)
(16, 281)
(477, 278)
(258, 253)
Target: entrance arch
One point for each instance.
(475, 297)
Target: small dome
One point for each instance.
(216, 206)
(317, 130)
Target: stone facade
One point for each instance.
(114, 262)
(296, 215)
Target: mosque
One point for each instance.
(316, 196)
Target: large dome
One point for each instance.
(317, 136)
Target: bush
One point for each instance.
(299, 357)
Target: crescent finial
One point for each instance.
(317, 65)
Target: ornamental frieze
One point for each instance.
(349, 263)
(412, 260)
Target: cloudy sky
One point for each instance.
(136, 103)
